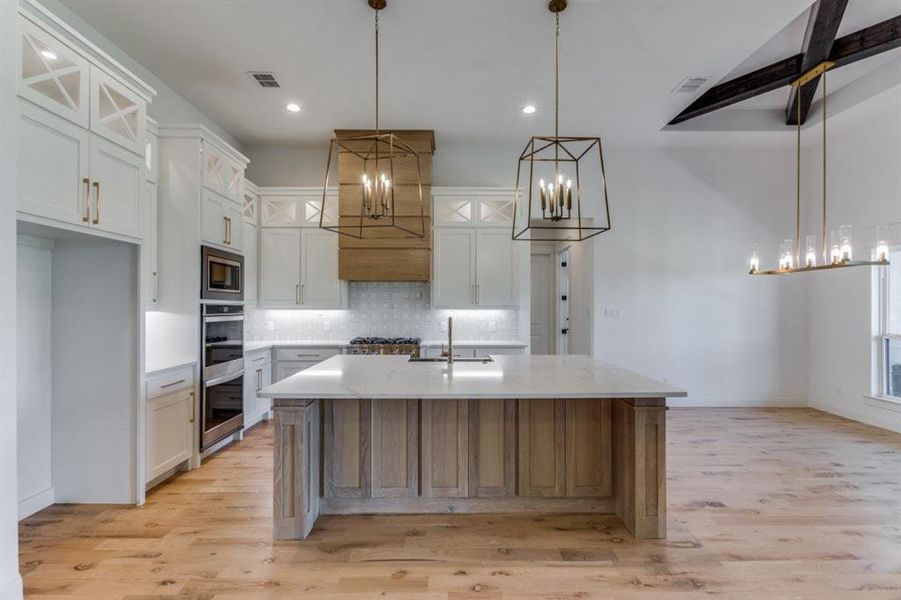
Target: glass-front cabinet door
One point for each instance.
(53, 75)
(117, 113)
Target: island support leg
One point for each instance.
(296, 480)
(640, 465)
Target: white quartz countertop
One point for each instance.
(263, 344)
(360, 376)
(475, 343)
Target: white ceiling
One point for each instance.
(462, 67)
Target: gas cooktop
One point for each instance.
(397, 341)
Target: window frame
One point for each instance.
(884, 337)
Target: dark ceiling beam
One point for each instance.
(822, 27)
(848, 49)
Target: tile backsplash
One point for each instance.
(390, 309)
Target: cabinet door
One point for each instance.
(541, 448)
(319, 283)
(53, 75)
(589, 448)
(395, 450)
(117, 113)
(116, 180)
(213, 224)
(251, 254)
(214, 167)
(53, 166)
(454, 211)
(150, 206)
(280, 211)
(249, 405)
(250, 205)
(170, 421)
(346, 464)
(279, 268)
(445, 448)
(283, 370)
(492, 454)
(495, 268)
(454, 282)
(234, 174)
(234, 226)
(264, 405)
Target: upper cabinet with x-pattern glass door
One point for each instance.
(117, 113)
(53, 75)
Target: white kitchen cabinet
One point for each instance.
(169, 424)
(53, 166)
(221, 222)
(251, 263)
(117, 113)
(151, 246)
(473, 207)
(250, 203)
(279, 268)
(257, 375)
(453, 283)
(473, 268)
(214, 166)
(116, 177)
(234, 188)
(299, 269)
(71, 175)
(319, 283)
(53, 75)
(169, 421)
(495, 268)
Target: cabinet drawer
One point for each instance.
(170, 382)
(305, 354)
(285, 369)
(255, 360)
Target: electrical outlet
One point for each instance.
(492, 326)
(270, 325)
(442, 325)
(326, 326)
(612, 313)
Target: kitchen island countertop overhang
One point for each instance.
(548, 377)
(361, 434)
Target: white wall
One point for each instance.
(864, 166)
(10, 581)
(675, 265)
(34, 391)
(168, 106)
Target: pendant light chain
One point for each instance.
(825, 243)
(557, 79)
(376, 71)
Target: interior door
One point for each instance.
(116, 177)
(320, 286)
(53, 164)
(495, 268)
(454, 278)
(542, 282)
(279, 268)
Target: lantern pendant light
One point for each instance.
(377, 155)
(561, 184)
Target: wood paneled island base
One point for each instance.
(358, 456)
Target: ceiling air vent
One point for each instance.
(691, 85)
(265, 79)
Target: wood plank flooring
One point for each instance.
(763, 504)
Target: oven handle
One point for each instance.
(224, 379)
(223, 318)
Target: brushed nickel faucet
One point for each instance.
(450, 342)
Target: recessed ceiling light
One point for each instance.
(49, 54)
(293, 107)
(528, 109)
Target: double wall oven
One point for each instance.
(222, 339)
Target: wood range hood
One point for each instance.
(393, 258)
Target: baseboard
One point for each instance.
(738, 402)
(12, 590)
(35, 502)
(868, 413)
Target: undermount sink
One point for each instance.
(435, 359)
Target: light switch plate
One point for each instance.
(442, 325)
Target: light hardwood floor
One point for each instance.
(763, 504)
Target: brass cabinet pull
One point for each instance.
(225, 230)
(87, 200)
(302, 294)
(191, 420)
(229, 230)
(297, 294)
(96, 203)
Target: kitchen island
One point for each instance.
(383, 434)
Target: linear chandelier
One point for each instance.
(382, 211)
(837, 248)
(562, 171)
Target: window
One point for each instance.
(890, 325)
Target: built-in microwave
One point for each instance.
(222, 275)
